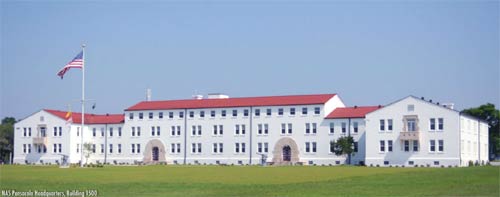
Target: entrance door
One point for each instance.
(155, 153)
(287, 153)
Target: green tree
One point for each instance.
(490, 114)
(7, 139)
(343, 146)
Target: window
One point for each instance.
(313, 147)
(193, 148)
(29, 148)
(304, 111)
(243, 129)
(235, 112)
(314, 128)
(172, 130)
(382, 124)
(119, 131)
(411, 107)
(411, 124)
(138, 148)
(436, 163)
(266, 147)
(289, 128)
(191, 114)
(119, 148)
(259, 129)
(54, 150)
(181, 114)
(94, 132)
(93, 148)
(110, 131)
(332, 148)
(140, 115)
(102, 131)
(60, 131)
(110, 148)
(389, 124)
(150, 115)
(77, 148)
(432, 145)
(317, 110)
(153, 131)
(158, 130)
(259, 147)
(160, 115)
(440, 124)
(138, 131)
(280, 111)
(221, 130)
(223, 113)
(415, 145)
(389, 145)
(221, 148)
(212, 113)
(308, 130)
(196, 148)
(266, 129)
(268, 112)
(237, 129)
(179, 130)
(355, 127)
(133, 131)
(193, 130)
(283, 128)
(131, 116)
(215, 149)
(407, 145)
(292, 111)
(42, 131)
(257, 112)
(332, 127)
(199, 130)
(432, 124)
(441, 145)
(382, 146)
(199, 147)
(171, 114)
(24, 133)
(102, 148)
(344, 127)
(202, 114)
(308, 148)
(355, 149)
(245, 112)
(172, 148)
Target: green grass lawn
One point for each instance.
(255, 181)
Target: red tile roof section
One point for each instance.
(233, 102)
(89, 118)
(352, 112)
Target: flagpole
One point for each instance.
(83, 104)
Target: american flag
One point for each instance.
(77, 62)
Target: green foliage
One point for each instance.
(490, 114)
(6, 138)
(343, 145)
(184, 181)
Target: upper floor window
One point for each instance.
(432, 123)
(245, 112)
(257, 112)
(304, 111)
(389, 124)
(332, 127)
(411, 107)
(432, 145)
(344, 127)
(280, 111)
(202, 114)
(440, 124)
(181, 114)
(235, 112)
(314, 128)
(223, 113)
(389, 145)
(382, 146)
(150, 115)
(111, 132)
(317, 110)
(160, 115)
(212, 113)
(191, 114)
(141, 116)
(382, 124)
(292, 111)
(171, 114)
(355, 126)
(268, 111)
(119, 131)
(411, 124)
(130, 115)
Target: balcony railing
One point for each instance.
(409, 135)
(40, 140)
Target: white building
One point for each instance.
(222, 130)
(413, 131)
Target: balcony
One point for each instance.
(39, 140)
(409, 135)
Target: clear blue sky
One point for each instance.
(369, 52)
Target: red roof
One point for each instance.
(233, 102)
(89, 118)
(351, 112)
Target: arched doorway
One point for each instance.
(287, 153)
(155, 153)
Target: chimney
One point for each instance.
(355, 106)
(198, 97)
(148, 94)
